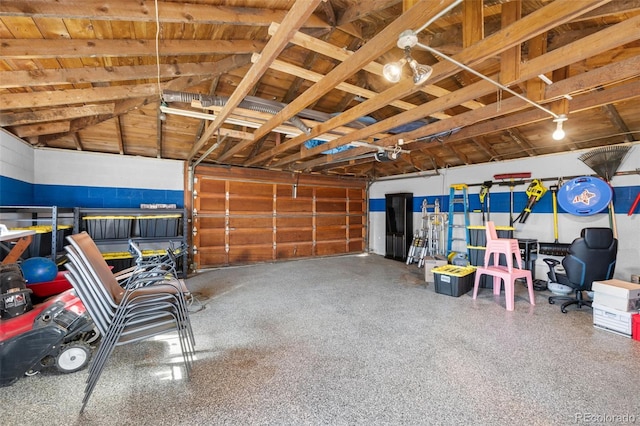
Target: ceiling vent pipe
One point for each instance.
(250, 102)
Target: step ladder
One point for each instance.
(437, 223)
(458, 228)
(420, 240)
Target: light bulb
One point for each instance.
(558, 134)
(420, 72)
(393, 71)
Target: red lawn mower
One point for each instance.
(57, 332)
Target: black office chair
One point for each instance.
(592, 257)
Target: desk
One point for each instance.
(22, 239)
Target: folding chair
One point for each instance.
(125, 315)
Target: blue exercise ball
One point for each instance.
(39, 270)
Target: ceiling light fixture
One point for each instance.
(408, 39)
(393, 70)
(558, 134)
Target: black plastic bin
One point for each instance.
(158, 225)
(108, 227)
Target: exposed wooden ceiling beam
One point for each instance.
(614, 8)
(119, 137)
(362, 8)
(614, 116)
(335, 52)
(516, 33)
(384, 40)
(125, 105)
(42, 129)
(611, 73)
(31, 117)
(521, 141)
(472, 22)
(609, 38)
(298, 14)
(591, 100)
(177, 12)
(51, 48)
(580, 103)
(510, 59)
(94, 94)
(285, 67)
(364, 56)
(77, 141)
(482, 143)
(49, 77)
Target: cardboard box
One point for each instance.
(454, 280)
(613, 320)
(618, 288)
(431, 262)
(617, 294)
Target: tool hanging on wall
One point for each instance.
(512, 179)
(555, 248)
(485, 199)
(535, 192)
(633, 206)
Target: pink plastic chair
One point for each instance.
(507, 274)
(507, 246)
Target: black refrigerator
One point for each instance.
(399, 225)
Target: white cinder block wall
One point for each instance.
(539, 225)
(66, 178)
(64, 167)
(16, 158)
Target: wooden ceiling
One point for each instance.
(91, 76)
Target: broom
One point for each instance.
(605, 162)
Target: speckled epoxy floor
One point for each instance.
(351, 340)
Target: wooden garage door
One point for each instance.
(244, 216)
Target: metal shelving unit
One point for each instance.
(34, 216)
(112, 233)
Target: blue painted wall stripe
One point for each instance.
(14, 192)
(18, 193)
(623, 198)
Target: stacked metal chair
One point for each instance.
(149, 307)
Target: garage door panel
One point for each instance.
(251, 222)
(326, 248)
(294, 250)
(323, 206)
(250, 254)
(211, 237)
(288, 235)
(298, 205)
(331, 220)
(211, 204)
(270, 216)
(250, 236)
(241, 205)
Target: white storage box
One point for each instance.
(614, 302)
(617, 294)
(611, 319)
